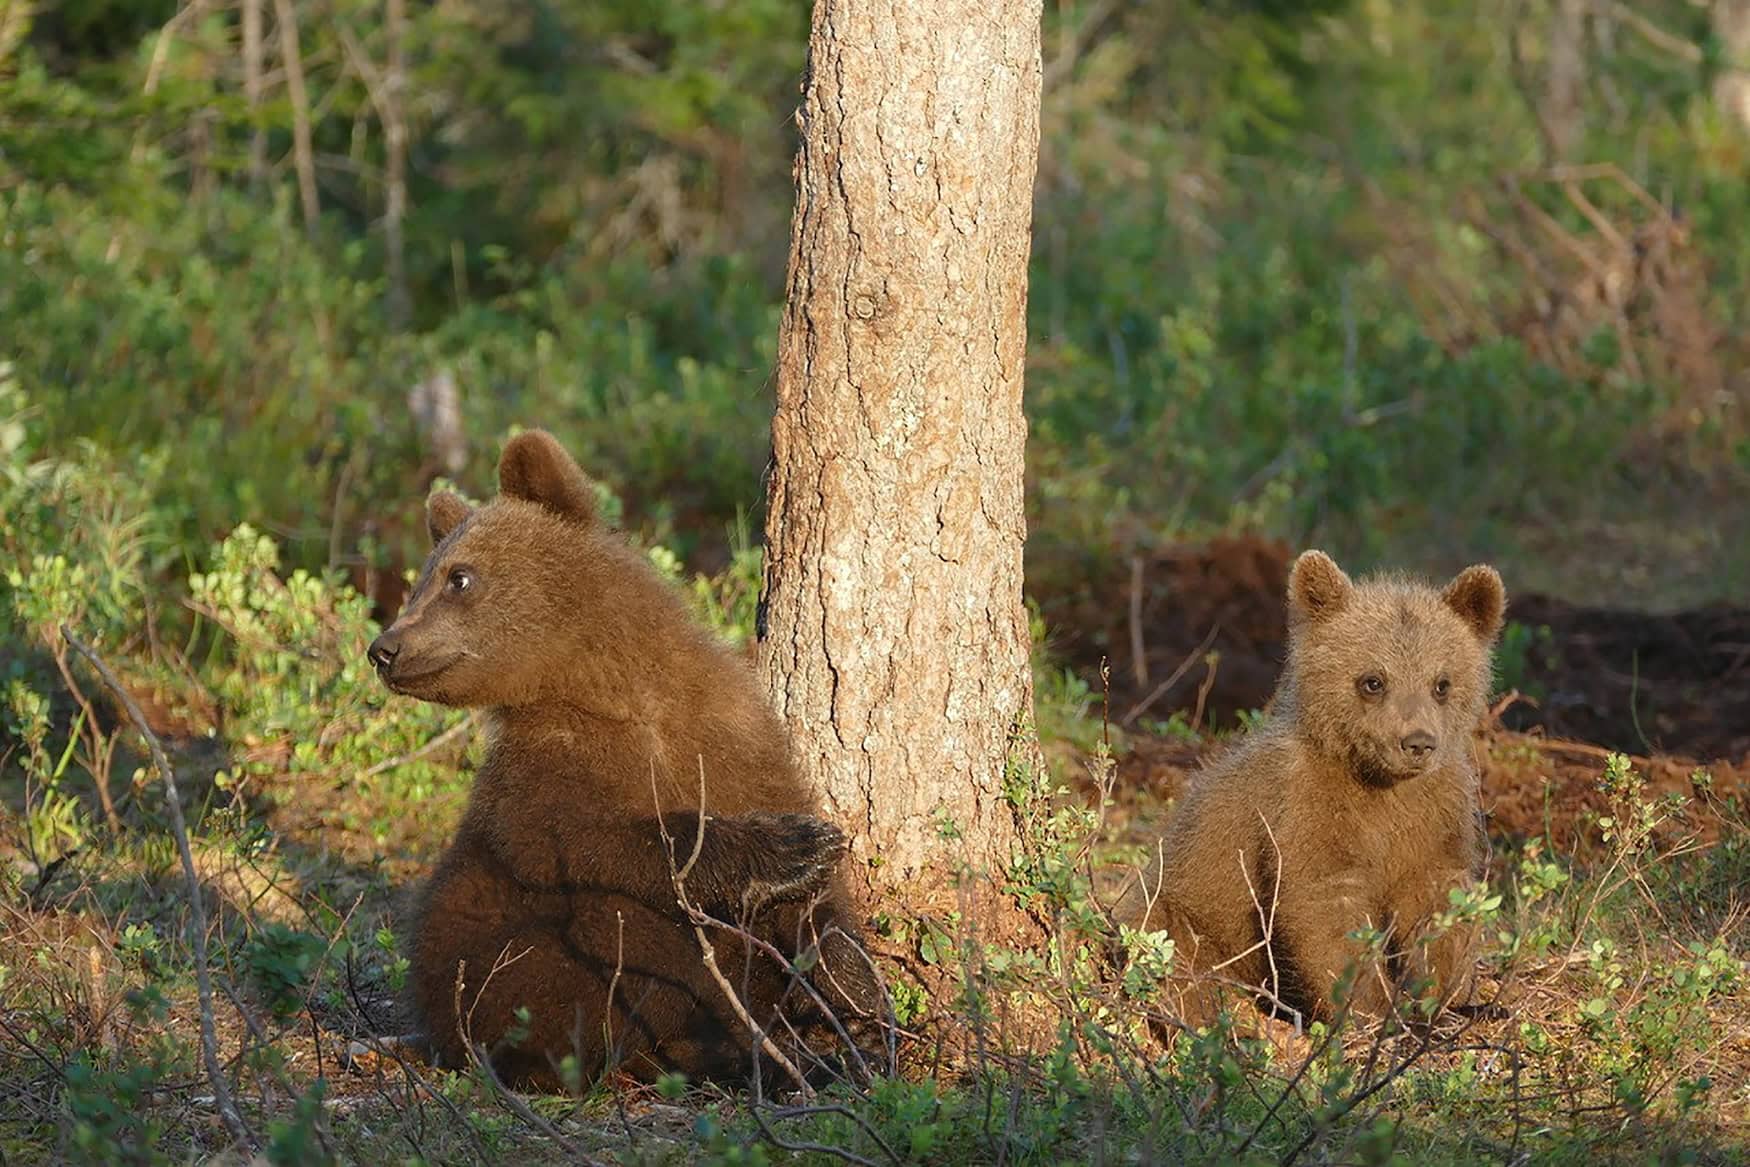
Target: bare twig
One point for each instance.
(609, 1049)
(465, 1022)
(760, 944)
(395, 163)
(1269, 920)
(1424, 1043)
(1289, 1088)
(1679, 47)
(196, 905)
(1074, 42)
(1184, 667)
(58, 1069)
(523, 1111)
(161, 45)
(1213, 662)
(806, 1148)
(1138, 650)
(435, 743)
(99, 752)
(706, 949)
(420, 1087)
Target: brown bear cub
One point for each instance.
(1353, 805)
(606, 702)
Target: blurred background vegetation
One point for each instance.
(1421, 281)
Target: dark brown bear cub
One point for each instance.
(1354, 805)
(605, 702)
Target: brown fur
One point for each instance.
(604, 699)
(1324, 819)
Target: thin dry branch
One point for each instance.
(706, 949)
(1138, 649)
(421, 751)
(1269, 921)
(395, 148)
(810, 1148)
(523, 1111)
(1679, 47)
(1184, 667)
(161, 45)
(760, 944)
(99, 753)
(418, 1087)
(196, 905)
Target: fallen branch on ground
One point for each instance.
(196, 906)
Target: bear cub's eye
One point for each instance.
(1371, 685)
(461, 579)
(1442, 688)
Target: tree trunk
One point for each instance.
(252, 93)
(303, 153)
(395, 159)
(893, 634)
(1731, 20)
(1564, 110)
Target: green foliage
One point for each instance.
(110, 1123)
(395, 966)
(1633, 820)
(1522, 649)
(281, 962)
(1063, 703)
(287, 656)
(218, 332)
(55, 823)
(78, 532)
(295, 1141)
(593, 244)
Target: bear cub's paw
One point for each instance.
(796, 857)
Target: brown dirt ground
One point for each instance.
(1672, 691)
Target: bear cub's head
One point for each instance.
(495, 613)
(1390, 676)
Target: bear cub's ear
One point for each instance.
(1317, 588)
(444, 512)
(1479, 598)
(535, 468)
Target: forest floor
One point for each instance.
(1626, 1036)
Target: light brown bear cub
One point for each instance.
(1354, 804)
(605, 700)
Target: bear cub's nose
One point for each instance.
(1418, 745)
(384, 649)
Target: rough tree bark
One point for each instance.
(893, 633)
